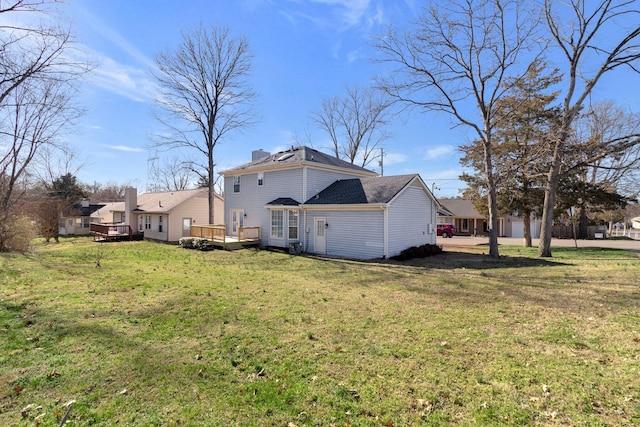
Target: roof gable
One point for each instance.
(296, 157)
(367, 190)
(79, 210)
(461, 208)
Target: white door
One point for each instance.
(319, 238)
(186, 227)
(237, 220)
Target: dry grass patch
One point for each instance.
(159, 335)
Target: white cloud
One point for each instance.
(343, 14)
(126, 148)
(115, 38)
(439, 151)
(394, 158)
(130, 80)
(351, 11)
(127, 81)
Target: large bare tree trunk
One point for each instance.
(526, 223)
(491, 199)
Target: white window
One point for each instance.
(293, 225)
(147, 222)
(260, 179)
(236, 184)
(85, 222)
(160, 223)
(277, 224)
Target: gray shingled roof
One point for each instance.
(379, 189)
(283, 201)
(295, 156)
(79, 210)
(461, 208)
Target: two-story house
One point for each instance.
(306, 200)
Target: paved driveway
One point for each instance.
(631, 245)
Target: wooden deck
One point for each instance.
(247, 236)
(111, 231)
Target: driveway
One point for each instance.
(630, 245)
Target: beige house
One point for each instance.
(164, 216)
(469, 222)
(464, 216)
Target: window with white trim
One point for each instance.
(236, 184)
(147, 222)
(160, 223)
(277, 224)
(293, 224)
(260, 179)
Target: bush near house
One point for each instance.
(198, 243)
(418, 252)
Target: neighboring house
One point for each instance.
(164, 216)
(307, 200)
(635, 222)
(77, 222)
(469, 222)
(464, 216)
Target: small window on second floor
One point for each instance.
(260, 179)
(236, 184)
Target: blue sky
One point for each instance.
(304, 51)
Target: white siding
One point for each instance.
(410, 216)
(252, 198)
(351, 234)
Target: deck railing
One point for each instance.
(217, 233)
(110, 229)
(248, 233)
(209, 231)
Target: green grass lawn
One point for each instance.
(159, 335)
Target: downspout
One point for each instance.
(304, 184)
(386, 231)
(304, 200)
(306, 231)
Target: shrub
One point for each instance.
(418, 252)
(16, 234)
(196, 243)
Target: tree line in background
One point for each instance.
(519, 75)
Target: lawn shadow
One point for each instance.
(453, 260)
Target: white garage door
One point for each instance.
(517, 228)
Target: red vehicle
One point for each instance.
(446, 230)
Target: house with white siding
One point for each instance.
(306, 200)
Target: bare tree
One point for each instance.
(37, 85)
(356, 123)
(173, 174)
(109, 192)
(55, 160)
(458, 61)
(205, 94)
(593, 39)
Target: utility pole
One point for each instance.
(381, 162)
